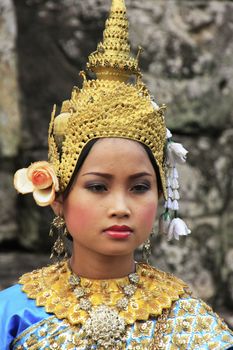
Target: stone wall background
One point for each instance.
(187, 64)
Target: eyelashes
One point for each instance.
(97, 188)
(141, 188)
(102, 188)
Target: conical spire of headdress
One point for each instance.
(112, 59)
(118, 5)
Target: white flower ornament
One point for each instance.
(177, 228)
(176, 153)
(39, 179)
(169, 223)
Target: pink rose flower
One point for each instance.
(40, 179)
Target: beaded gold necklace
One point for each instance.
(103, 307)
(105, 327)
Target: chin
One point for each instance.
(118, 251)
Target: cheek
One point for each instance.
(79, 216)
(147, 214)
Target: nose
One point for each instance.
(119, 207)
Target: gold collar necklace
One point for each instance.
(104, 308)
(105, 327)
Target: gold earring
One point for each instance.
(58, 227)
(146, 249)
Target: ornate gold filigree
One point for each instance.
(50, 287)
(112, 59)
(108, 106)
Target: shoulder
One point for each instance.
(156, 275)
(193, 323)
(10, 294)
(12, 300)
(190, 306)
(166, 285)
(17, 313)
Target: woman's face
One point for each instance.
(112, 205)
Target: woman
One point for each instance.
(105, 174)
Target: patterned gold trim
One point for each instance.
(188, 324)
(50, 288)
(30, 329)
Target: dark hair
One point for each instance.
(155, 166)
(85, 153)
(81, 159)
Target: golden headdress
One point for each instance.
(108, 106)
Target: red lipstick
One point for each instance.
(119, 232)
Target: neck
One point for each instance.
(101, 266)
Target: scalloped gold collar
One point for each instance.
(50, 288)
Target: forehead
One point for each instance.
(113, 152)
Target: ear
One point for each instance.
(57, 206)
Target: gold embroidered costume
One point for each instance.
(148, 309)
(160, 315)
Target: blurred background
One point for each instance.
(187, 64)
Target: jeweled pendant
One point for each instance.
(105, 327)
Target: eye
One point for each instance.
(140, 188)
(97, 188)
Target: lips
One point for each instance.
(119, 232)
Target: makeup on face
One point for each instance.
(113, 202)
(119, 232)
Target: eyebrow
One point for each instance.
(110, 176)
